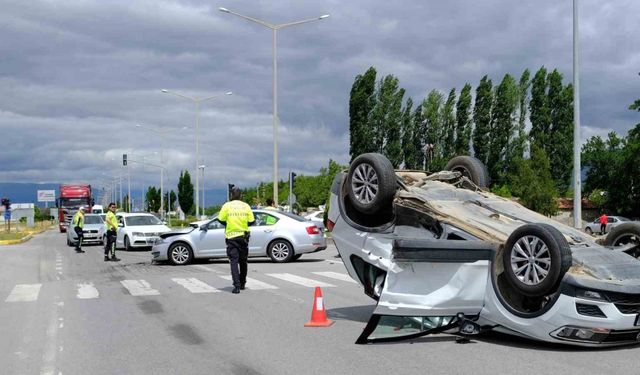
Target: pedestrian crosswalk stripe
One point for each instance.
(335, 275)
(310, 283)
(195, 286)
(24, 293)
(87, 291)
(139, 288)
(254, 284)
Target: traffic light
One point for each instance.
(292, 178)
(124, 160)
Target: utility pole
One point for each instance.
(577, 183)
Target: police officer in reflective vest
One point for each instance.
(78, 224)
(237, 216)
(112, 230)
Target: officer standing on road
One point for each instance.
(78, 224)
(112, 231)
(237, 216)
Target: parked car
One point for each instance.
(439, 253)
(138, 230)
(612, 222)
(317, 217)
(287, 239)
(93, 231)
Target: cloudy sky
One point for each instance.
(76, 76)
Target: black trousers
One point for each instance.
(238, 252)
(80, 235)
(110, 246)
(603, 228)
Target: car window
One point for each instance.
(215, 224)
(92, 220)
(612, 220)
(143, 220)
(264, 219)
(293, 216)
(623, 218)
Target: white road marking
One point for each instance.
(195, 286)
(254, 284)
(203, 267)
(51, 343)
(24, 293)
(310, 283)
(87, 291)
(139, 288)
(336, 275)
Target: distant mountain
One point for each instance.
(28, 193)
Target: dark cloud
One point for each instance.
(76, 77)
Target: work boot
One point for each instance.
(114, 259)
(235, 290)
(79, 251)
(106, 258)
(242, 286)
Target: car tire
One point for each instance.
(180, 254)
(588, 231)
(127, 244)
(623, 234)
(69, 242)
(549, 267)
(371, 183)
(472, 168)
(280, 251)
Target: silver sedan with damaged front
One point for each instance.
(439, 253)
(281, 236)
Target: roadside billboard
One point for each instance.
(46, 195)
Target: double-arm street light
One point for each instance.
(163, 136)
(274, 28)
(197, 102)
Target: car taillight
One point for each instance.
(313, 230)
(330, 225)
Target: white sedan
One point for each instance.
(136, 230)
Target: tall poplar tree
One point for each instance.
(393, 141)
(463, 121)
(419, 136)
(386, 112)
(433, 129)
(185, 192)
(540, 115)
(502, 127)
(449, 126)
(361, 102)
(520, 140)
(482, 118)
(408, 137)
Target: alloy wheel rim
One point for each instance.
(364, 183)
(530, 260)
(180, 254)
(280, 251)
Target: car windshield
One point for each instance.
(92, 220)
(72, 202)
(143, 220)
(623, 218)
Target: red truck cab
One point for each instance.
(72, 197)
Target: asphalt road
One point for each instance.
(68, 313)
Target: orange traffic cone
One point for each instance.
(318, 314)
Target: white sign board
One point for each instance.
(46, 195)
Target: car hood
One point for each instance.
(177, 232)
(92, 226)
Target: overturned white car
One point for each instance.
(440, 254)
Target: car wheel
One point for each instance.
(472, 168)
(297, 256)
(623, 234)
(371, 183)
(127, 244)
(280, 251)
(535, 258)
(588, 231)
(180, 254)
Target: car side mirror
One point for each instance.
(204, 227)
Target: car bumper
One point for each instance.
(142, 241)
(160, 251)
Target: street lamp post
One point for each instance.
(274, 28)
(577, 183)
(197, 102)
(201, 167)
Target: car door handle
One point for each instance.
(268, 230)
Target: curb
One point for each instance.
(15, 242)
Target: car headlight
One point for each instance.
(159, 240)
(590, 294)
(137, 234)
